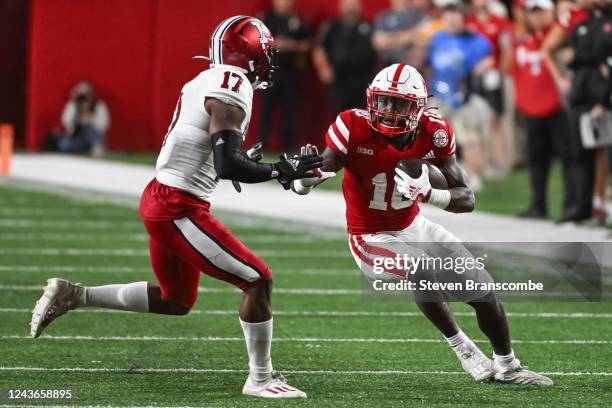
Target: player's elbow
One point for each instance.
(464, 204)
(469, 202)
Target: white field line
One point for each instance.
(335, 313)
(290, 291)
(99, 406)
(76, 196)
(294, 339)
(58, 211)
(72, 195)
(143, 252)
(306, 372)
(128, 237)
(127, 269)
(123, 224)
(27, 236)
(301, 232)
(69, 224)
(294, 291)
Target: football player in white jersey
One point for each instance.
(202, 145)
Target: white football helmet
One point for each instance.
(396, 100)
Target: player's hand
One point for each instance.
(418, 189)
(299, 166)
(305, 185)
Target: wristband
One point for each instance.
(439, 198)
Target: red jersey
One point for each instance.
(570, 19)
(373, 204)
(496, 29)
(536, 92)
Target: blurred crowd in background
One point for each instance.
(522, 82)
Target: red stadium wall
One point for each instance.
(110, 44)
(138, 54)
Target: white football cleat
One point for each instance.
(474, 362)
(60, 296)
(517, 374)
(275, 387)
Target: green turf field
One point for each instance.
(340, 349)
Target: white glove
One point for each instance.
(305, 185)
(417, 189)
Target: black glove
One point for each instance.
(299, 166)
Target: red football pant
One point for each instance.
(183, 247)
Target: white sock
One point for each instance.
(258, 338)
(507, 362)
(456, 341)
(131, 296)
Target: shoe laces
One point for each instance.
(519, 369)
(278, 376)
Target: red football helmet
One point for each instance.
(396, 100)
(247, 43)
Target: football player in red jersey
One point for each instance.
(382, 203)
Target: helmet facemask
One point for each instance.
(264, 69)
(392, 113)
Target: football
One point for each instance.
(413, 168)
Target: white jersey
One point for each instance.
(186, 157)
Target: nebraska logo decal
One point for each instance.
(440, 138)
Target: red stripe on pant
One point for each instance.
(177, 264)
(377, 252)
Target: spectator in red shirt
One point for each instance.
(497, 29)
(538, 99)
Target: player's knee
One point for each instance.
(179, 307)
(169, 308)
(263, 284)
(260, 291)
(182, 310)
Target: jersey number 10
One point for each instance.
(378, 202)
